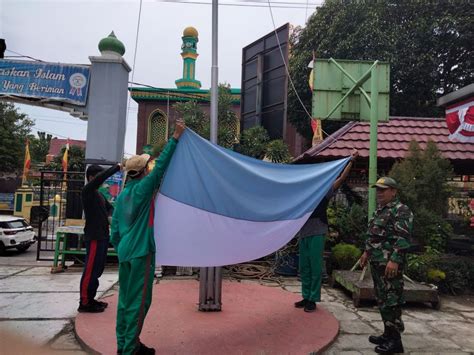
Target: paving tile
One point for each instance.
(466, 342)
(38, 305)
(352, 342)
(36, 271)
(428, 342)
(433, 315)
(339, 311)
(11, 270)
(52, 282)
(294, 289)
(453, 303)
(38, 332)
(356, 327)
(66, 341)
(469, 315)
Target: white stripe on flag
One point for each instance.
(187, 236)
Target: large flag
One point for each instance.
(216, 207)
(460, 121)
(26, 163)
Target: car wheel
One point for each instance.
(23, 248)
(2, 248)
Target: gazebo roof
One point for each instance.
(393, 140)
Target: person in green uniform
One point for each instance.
(311, 239)
(132, 238)
(386, 246)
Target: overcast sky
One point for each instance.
(69, 31)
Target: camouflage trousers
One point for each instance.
(389, 296)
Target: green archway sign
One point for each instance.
(353, 90)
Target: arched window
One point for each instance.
(157, 128)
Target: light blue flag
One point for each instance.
(217, 207)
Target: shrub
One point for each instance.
(347, 224)
(459, 274)
(345, 255)
(277, 152)
(422, 177)
(418, 265)
(451, 273)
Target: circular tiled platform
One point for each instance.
(255, 319)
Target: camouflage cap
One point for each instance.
(385, 183)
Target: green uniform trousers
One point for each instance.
(136, 286)
(311, 266)
(389, 296)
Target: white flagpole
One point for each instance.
(210, 283)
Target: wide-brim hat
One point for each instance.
(385, 183)
(136, 164)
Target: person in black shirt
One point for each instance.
(96, 236)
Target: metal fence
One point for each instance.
(59, 196)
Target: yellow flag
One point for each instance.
(26, 163)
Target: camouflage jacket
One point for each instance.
(389, 233)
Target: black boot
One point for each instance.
(392, 345)
(379, 339)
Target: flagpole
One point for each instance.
(210, 281)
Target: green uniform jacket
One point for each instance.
(132, 222)
(389, 233)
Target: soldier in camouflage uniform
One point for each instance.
(386, 246)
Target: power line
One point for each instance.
(24, 56)
(288, 71)
(236, 4)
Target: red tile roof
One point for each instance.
(57, 143)
(393, 139)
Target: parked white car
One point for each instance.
(15, 232)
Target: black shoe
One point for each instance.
(378, 339)
(91, 307)
(100, 303)
(392, 346)
(310, 306)
(144, 350)
(301, 304)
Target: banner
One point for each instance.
(460, 121)
(57, 82)
(217, 207)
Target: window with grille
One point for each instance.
(157, 128)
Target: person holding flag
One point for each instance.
(132, 237)
(96, 235)
(311, 246)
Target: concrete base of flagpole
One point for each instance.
(255, 319)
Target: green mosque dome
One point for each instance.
(111, 44)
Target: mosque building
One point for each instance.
(156, 112)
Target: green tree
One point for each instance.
(14, 130)
(423, 176)
(39, 147)
(253, 142)
(199, 121)
(277, 152)
(428, 45)
(76, 160)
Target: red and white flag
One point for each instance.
(460, 121)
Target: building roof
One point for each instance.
(57, 143)
(393, 140)
(163, 94)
